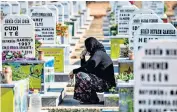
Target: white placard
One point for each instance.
(54, 9)
(155, 77)
(6, 9)
(23, 7)
(136, 22)
(153, 31)
(67, 10)
(156, 6)
(15, 7)
(117, 6)
(125, 14)
(60, 12)
(75, 7)
(45, 24)
(143, 11)
(18, 35)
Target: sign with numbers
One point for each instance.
(136, 22)
(155, 77)
(153, 31)
(45, 24)
(124, 17)
(156, 6)
(18, 35)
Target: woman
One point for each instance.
(94, 75)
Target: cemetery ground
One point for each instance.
(43, 53)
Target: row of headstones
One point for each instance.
(155, 48)
(143, 24)
(19, 31)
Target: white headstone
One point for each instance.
(23, 7)
(156, 6)
(60, 12)
(45, 24)
(155, 77)
(15, 7)
(18, 35)
(67, 10)
(136, 22)
(124, 17)
(75, 7)
(54, 9)
(6, 9)
(143, 11)
(153, 31)
(117, 6)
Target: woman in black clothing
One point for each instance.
(94, 75)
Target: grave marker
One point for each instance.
(23, 7)
(45, 24)
(18, 35)
(125, 14)
(155, 77)
(15, 7)
(60, 12)
(6, 9)
(136, 22)
(75, 8)
(117, 6)
(143, 11)
(156, 6)
(54, 9)
(153, 31)
(66, 10)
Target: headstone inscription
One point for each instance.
(153, 31)
(155, 77)
(6, 9)
(124, 17)
(45, 24)
(18, 36)
(117, 6)
(23, 7)
(156, 6)
(15, 7)
(136, 22)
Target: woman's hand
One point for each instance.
(71, 75)
(84, 52)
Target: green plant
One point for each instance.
(114, 98)
(165, 8)
(125, 76)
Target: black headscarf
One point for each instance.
(92, 45)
